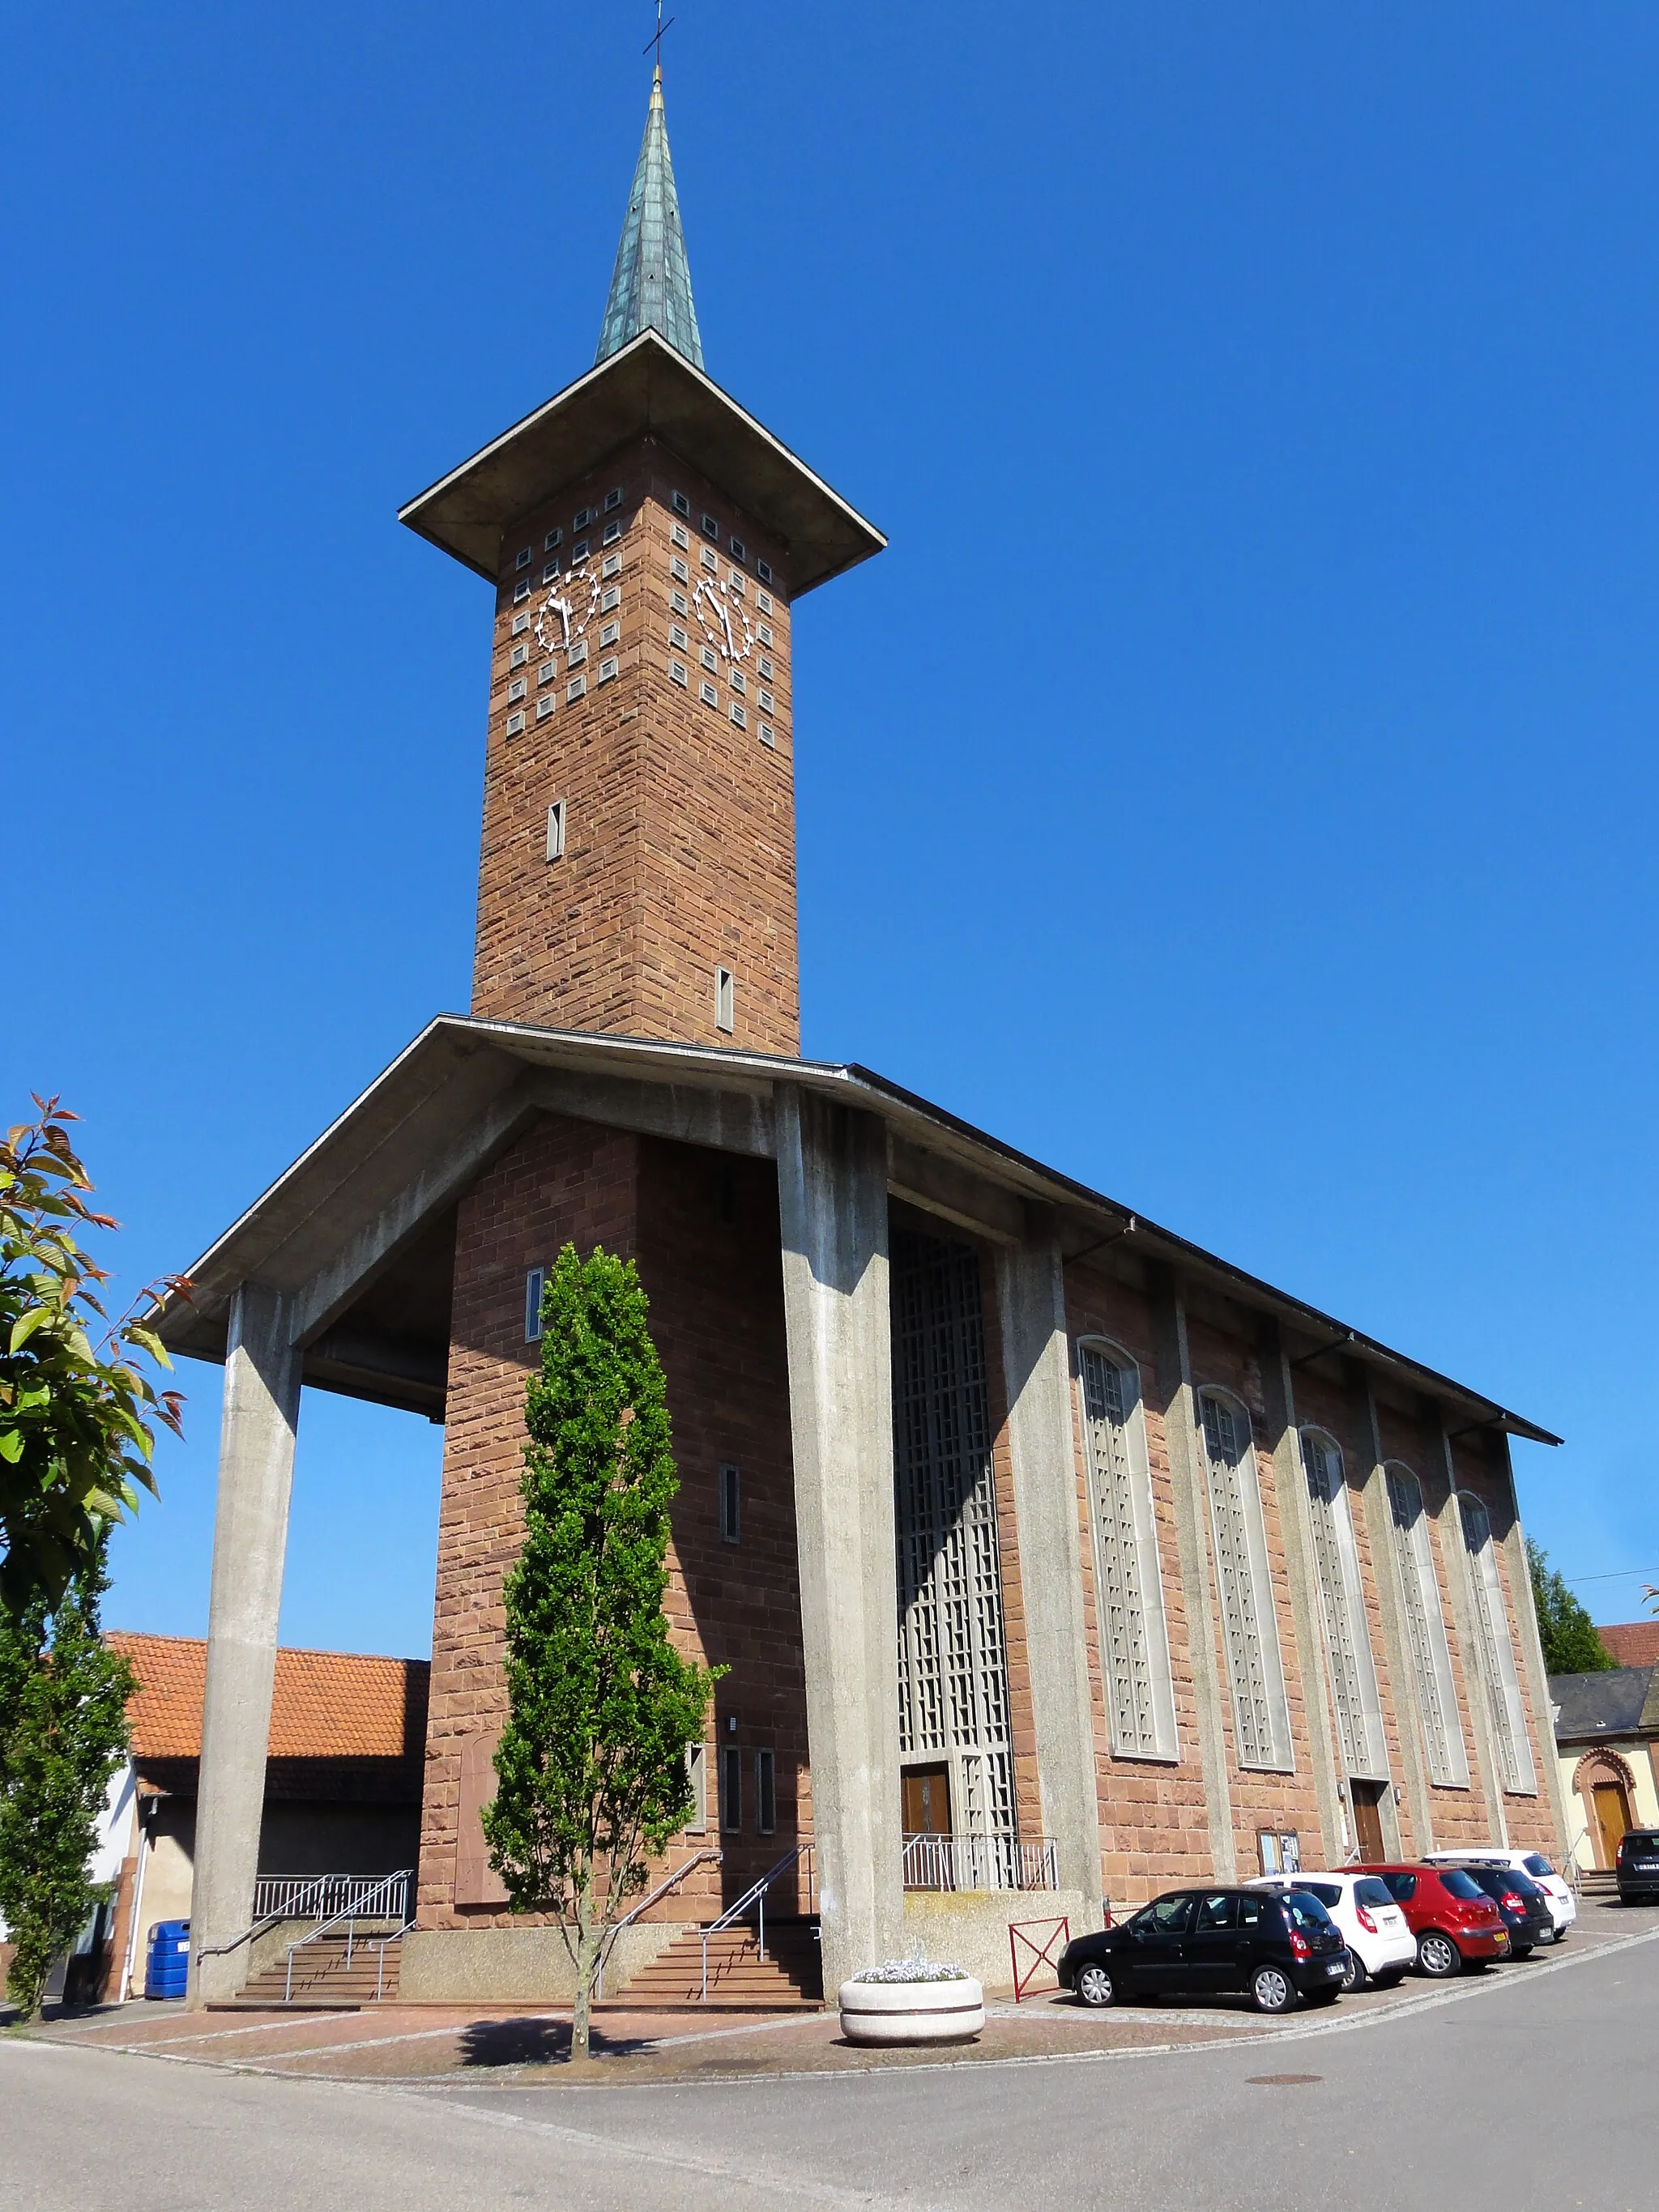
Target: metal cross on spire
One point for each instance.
(657, 40)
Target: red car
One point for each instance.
(1455, 1923)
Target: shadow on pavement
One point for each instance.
(536, 2043)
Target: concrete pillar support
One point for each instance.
(1295, 1517)
(832, 1193)
(1042, 1447)
(1545, 1756)
(1391, 1610)
(250, 1541)
(1189, 1484)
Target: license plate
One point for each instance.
(1502, 1939)
(1334, 1969)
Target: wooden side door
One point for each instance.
(927, 1814)
(1611, 1819)
(1368, 1822)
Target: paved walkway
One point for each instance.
(418, 2044)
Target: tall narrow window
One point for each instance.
(731, 1789)
(731, 1505)
(726, 997)
(696, 1773)
(1508, 1713)
(1425, 1632)
(555, 830)
(534, 1284)
(1342, 1604)
(1249, 1626)
(1134, 1645)
(952, 1653)
(766, 1793)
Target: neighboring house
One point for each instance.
(1632, 1643)
(343, 1786)
(1607, 1737)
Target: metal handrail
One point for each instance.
(298, 1898)
(396, 1885)
(756, 1895)
(669, 1882)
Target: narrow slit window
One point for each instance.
(731, 1505)
(766, 1793)
(725, 994)
(731, 1789)
(534, 1284)
(555, 830)
(697, 1774)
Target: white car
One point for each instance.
(1380, 1944)
(1563, 1905)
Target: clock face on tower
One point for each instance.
(568, 606)
(724, 620)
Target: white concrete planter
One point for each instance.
(912, 2012)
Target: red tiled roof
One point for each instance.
(327, 1705)
(1632, 1643)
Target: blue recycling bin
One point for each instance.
(166, 1958)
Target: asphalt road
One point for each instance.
(1531, 2091)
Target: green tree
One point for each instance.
(62, 1733)
(1571, 1643)
(591, 1769)
(77, 1432)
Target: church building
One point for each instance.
(1053, 1559)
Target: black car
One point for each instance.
(1638, 1866)
(1276, 1945)
(1525, 1908)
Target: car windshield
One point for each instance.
(1305, 1911)
(1370, 1891)
(1641, 1842)
(1457, 1883)
(1536, 1863)
(1328, 1892)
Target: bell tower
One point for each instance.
(647, 541)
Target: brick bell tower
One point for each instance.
(647, 541)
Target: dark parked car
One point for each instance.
(1199, 1942)
(1525, 1908)
(1638, 1866)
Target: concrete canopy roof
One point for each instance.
(646, 389)
(358, 1234)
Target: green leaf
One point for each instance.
(25, 1329)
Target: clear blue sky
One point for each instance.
(1235, 786)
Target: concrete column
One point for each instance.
(1042, 1447)
(832, 1194)
(1396, 1644)
(1307, 1621)
(1192, 1508)
(1460, 1588)
(250, 1541)
(1535, 1673)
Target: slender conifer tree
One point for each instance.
(591, 1770)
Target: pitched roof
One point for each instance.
(1632, 1643)
(1610, 1702)
(326, 1705)
(651, 286)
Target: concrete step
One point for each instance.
(323, 1979)
(739, 1979)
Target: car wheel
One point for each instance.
(1438, 1956)
(1095, 1984)
(1356, 1978)
(1273, 1990)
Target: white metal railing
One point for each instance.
(991, 1861)
(668, 1883)
(381, 1901)
(803, 1857)
(310, 1896)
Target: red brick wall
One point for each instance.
(680, 831)
(704, 1230)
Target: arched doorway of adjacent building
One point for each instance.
(1605, 1784)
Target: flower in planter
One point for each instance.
(912, 1970)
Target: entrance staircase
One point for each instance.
(324, 1980)
(787, 1979)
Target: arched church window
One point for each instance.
(1249, 1626)
(1503, 1700)
(1425, 1631)
(1342, 1605)
(1134, 1647)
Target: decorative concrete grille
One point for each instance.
(953, 1674)
(1134, 1647)
(1425, 1632)
(1248, 1626)
(1353, 1671)
(1508, 1718)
